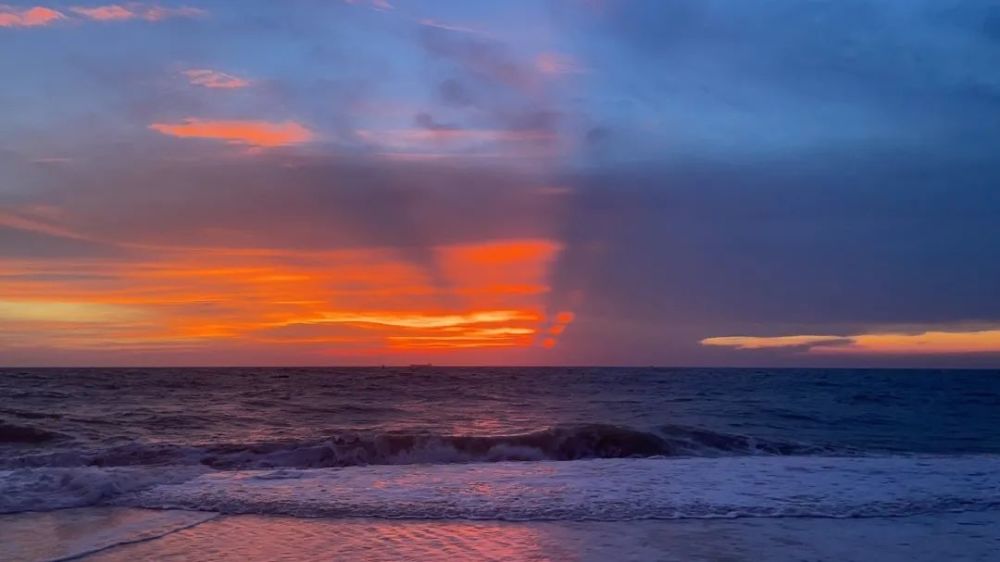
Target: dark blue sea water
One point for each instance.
(233, 439)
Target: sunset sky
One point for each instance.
(670, 182)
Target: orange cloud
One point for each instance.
(365, 301)
(751, 342)
(31, 17)
(263, 134)
(497, 273)
(118, 12)
(926, 343)
(565, 317)
(556, 329)
(214, 79)
(426, 320)
(106, 13)
(931, 342)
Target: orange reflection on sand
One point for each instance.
(253, 537)
(372, 300)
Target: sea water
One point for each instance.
(503, 444)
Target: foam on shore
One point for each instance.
(600, 489)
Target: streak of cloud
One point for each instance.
(36, 16)
(930, 342)
(124, 12)
(214, 79)
(262, 134)
(380, 5)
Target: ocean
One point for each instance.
(555, 445)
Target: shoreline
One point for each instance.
(112, 534)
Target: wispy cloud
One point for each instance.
(459, 28)
(72, 312)
(214, 79)
(481, 57)
(381, 5)
(263, 134)
(38, 16)
(32, 223)
(11, 16)
(424, 320)
(123, 12)
(931, 342)
(923, 343)
(773, 342)
(411, 138)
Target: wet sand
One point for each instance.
(125, 535)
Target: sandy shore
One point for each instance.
(122, 534)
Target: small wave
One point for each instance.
(30, 415)
(10, 433)
(561, 443)
(43, 489)
(598, 489)
(601, 489)
(693, 441)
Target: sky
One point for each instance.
(544, 182)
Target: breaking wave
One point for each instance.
(45, 489)
(561, 443)
(598, 489)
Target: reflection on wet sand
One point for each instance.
(962, 536)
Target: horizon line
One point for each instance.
(568, 366)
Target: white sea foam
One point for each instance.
(602, 489)
(43, 489)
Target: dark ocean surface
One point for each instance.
(278, 440)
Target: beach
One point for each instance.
(127, 534)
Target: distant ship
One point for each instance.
(420, 365)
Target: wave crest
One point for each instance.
(560, 443)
